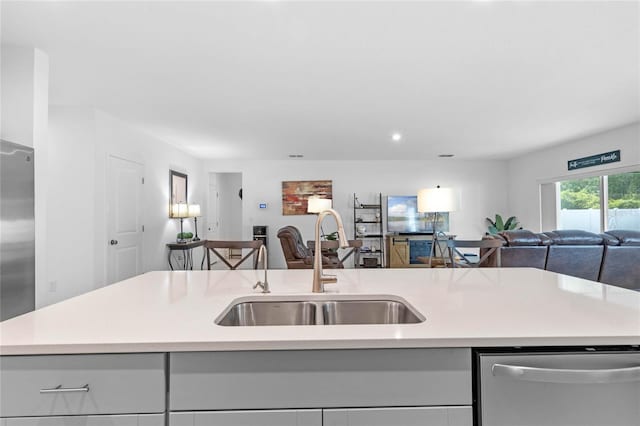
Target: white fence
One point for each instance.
(589, 220)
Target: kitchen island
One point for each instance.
(175, 311)
(157, 332)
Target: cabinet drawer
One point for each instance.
(118, 420)
(319, 378)
(412, 416)
(51, 385)
(248, 418)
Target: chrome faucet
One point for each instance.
(264, 285)
(319, 280)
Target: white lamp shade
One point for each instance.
(317, 205)
(194, 210)
(180, 210)
(432, 200)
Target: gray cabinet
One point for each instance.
(405, 416)
(248, 418)
(81, 385)
(117, 420)
(319, 379)
(424, 387)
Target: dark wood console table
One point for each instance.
(187, 253)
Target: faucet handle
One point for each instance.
(263, 285)
(328, 279)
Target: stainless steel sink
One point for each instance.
(319, 310)
(270, 313)
(368, 312)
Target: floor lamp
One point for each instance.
(436, 200)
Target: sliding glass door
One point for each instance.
(600, 203)
(623, 201)
(580, 202)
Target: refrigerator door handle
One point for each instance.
(554, 375)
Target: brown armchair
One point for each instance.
(297, 254)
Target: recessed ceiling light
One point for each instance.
(396, 137)
(445, 155)
(296, 155)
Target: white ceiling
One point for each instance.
(264, 79)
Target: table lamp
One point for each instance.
(180, 211)
(194, 212)
(316, 205)
(436, 200)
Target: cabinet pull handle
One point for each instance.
(60, 389)
(556, 375)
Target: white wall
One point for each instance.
(70, 220)
(24, 80)
(81, 141)
(115, 137)
(527, 172)
(17, 79)
(41, 164)
(480, 184)
(230, 205)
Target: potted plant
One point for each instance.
(499, 225)
(185, 236)
(331, 237)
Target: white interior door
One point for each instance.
(124, 219)
(224, 207)
(213, 213)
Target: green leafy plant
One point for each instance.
(185, 235)
(332, 236)
(499, 225)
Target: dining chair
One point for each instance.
(212, 246)
(330, 249)
(487, 247)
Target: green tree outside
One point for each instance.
(624, 192)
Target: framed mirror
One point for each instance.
(177, 189)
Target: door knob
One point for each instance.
(114, 242)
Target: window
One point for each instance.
(580, 204)
(623, 201)
(600, 203)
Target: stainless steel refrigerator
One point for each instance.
(17, 230)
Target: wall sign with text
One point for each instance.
(594, 160)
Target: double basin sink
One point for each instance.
(319, 310)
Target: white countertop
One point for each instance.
(175, 311)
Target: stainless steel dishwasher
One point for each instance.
(576, 387)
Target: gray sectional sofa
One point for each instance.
(612, 257)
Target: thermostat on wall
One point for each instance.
(263, 205)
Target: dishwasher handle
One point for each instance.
(555, 375)
(60, 389)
